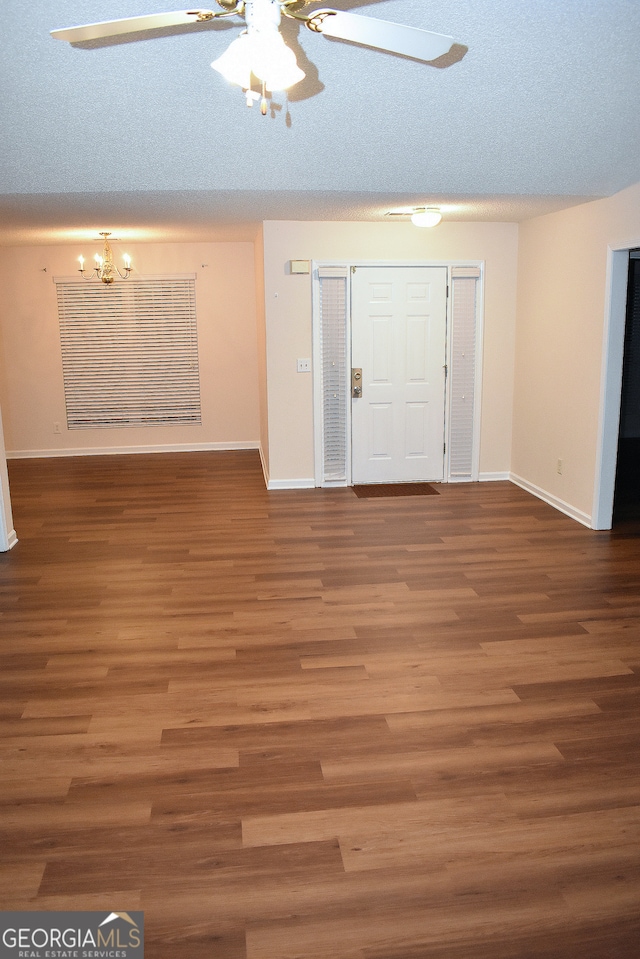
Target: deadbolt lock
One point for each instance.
(356, 382)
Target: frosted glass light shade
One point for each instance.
(266, 55)
(429, 217)
(275, 63)
(235, 62)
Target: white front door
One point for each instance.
(398, 339)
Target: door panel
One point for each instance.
(416, 429)
(398, 338)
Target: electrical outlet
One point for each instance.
(559, 467)
(304, 366)
(56, 427)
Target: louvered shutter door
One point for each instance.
(130, 353)
(334, 362)
(463, 363)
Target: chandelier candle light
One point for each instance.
(105, 269)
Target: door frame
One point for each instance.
(342, 266)
(617, 278)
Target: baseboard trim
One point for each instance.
(554, 501)
(263, 463)
(11, 541)
(113, 450)
(482, 478)
(494, 477)
(291, 484)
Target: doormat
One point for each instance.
(395, 489)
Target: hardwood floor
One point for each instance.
(303, 725)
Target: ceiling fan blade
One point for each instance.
(381, 34)
(113, 28)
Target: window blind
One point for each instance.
(463, 370)
(129, 353)
(334, 364)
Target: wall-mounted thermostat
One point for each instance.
(299, 266)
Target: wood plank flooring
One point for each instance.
(303, 725)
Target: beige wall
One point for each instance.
(32, 396)
(288, 321)
(562, 308)
(550, 271)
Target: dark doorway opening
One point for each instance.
(626, 502)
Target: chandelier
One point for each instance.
(105, 269)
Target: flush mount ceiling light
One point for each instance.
(105, 269)
(422, 216)
(426, 216)
(261, 52)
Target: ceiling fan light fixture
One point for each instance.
(235, 63)
(275, 63)
(261, 53)
(428, 217)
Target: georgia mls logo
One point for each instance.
(71, 935)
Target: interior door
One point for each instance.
(398, 340)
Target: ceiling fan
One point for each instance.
(260, 50)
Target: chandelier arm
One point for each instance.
(95, 274)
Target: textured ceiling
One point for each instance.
(143, 138)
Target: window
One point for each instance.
(130, 353)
